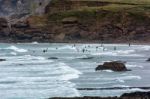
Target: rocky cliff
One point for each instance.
(13, 7)
(82, 21)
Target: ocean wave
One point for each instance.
(124, 86)
(67, 72)
(125, 51)
(34, 43)
(13, 53)
(67, 47)
(14, 48)
(128, 78)
(26, 59)
(119, 53)
(145, 48)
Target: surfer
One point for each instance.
(115, 48)
(83, 50)
(96, 48)
(45, 50)
(129, 44)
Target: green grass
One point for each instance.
(147, 2)
(84, 13)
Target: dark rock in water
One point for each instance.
(148, 60)
(86, 58)
(136, 95)
(85, 97)
(53, 58)
(114, 66)
(2, 60)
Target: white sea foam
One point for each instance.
(129, 78)
(34, 43)
(120, 86)
(133, 66)
(105, 53)
(110, 71)
(67, 72)
(125, 51)
(67, 47)
(13, 53)
(118, 53)
(120, 80)
(17, 49)
(145, 48)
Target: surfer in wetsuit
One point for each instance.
(83, 50)
(129, 44)
(45, 50)
(96, 48)
(115, 48)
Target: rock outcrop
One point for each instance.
(134, 95)
(114, 66)
(4, 28)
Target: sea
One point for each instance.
(45, 70)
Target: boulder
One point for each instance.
(114, 66)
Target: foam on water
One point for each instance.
(67, 47)
(129, 78)
(145, 48)
(109, 71)
(133, 66)
(13, 53)
(35, 43)
(14, 48)
(118, 53)
(68, 73)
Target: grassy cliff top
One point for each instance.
(121, 1)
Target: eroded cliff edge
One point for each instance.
(82, 21)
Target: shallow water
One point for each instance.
(29, 73)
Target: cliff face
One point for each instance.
(73, 21)
(11, 7)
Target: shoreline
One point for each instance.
(76, 42)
